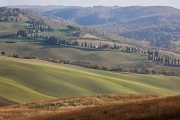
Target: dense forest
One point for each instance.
(26, 16)
(160, 25)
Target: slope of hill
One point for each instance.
(37, 8)
(10, 29)
(98, 107)
(24, 81)
(157, 24)
(154, 109)
(17, 17)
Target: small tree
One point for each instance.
(2, 53)
(15, 56)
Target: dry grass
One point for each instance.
(49, 109)
(155, 109)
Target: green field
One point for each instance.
(58, 32)
(97, 42)
(11, 28)
(164, 53)
(106, 58)
(24, 81)
(89, 36)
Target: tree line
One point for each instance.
(146, 69)
(154, 56)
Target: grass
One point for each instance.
(24, 81)
(22, 93)
(97, 42)
(106, 58)
(155, 109)
(58, 32)
(11, 28)
(170, 54)
(89, 36)
(45, 109)
(97, 107)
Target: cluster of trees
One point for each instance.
(22, 33)
(154, 56)
(12, 19)
(150, 23)
(61, 41)
(9, 15)
(102, 46)
(42, 28)
(143, 70)
(93, 30)
(4, 11)
(16, 56)
(64, 42)
(33, 30)
(16, 15)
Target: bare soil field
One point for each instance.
(4, 103)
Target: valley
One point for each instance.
(67, 62)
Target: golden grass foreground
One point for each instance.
(98, 107)
(88, 107)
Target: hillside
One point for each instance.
(156, 109)
(24, 14)
(17, 15)
(102, 58)
(37, 8)
(97, 107)
(157, 24)
(24, 81)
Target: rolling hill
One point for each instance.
(157, 24)
(103, 58)
(101, 107)
(24, 81)
(58, 90)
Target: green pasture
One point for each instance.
(105, 58)
(58, 32)
(89, 36)
(164, 53)
(24, 81)
(97, 42)
(11, 28)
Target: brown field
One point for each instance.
(99, 107)
(72, 108)
(4, 103)
(167, 108)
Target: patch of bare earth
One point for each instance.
(4, 103)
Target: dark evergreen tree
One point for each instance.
(85, 44)
(91, 46)
(2, 53)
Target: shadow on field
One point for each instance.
(4, 103)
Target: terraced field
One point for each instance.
(24, 81)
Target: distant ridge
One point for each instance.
(160, 25)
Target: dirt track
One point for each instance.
(4, 103)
